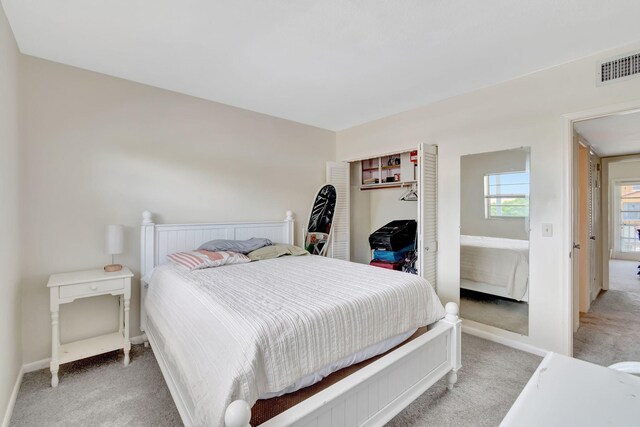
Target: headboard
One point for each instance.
(159, 240)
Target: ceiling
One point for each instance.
(329, 63)
(614, 135)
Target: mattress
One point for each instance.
(359, 358)
(352, 359)
(245, 331)
(495, 265)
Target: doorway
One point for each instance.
(587, 241)
(606, 239)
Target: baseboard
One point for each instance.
(44, 363)
(36, 366)
(12, 401)
(519, 345)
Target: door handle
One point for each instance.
(576, 246)
(592, 237)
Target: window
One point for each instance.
(628, 207)
(630, 211)
(506, 195)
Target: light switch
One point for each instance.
(547, 230)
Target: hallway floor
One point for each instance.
(610, 331)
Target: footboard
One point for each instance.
(376, 393)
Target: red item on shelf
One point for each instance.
(413, 156)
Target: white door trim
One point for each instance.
(567, 194)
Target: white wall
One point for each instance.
(386, 207)
(524, 112)
(10, 336)
(627, 169)
(100, 150)
(473, 220)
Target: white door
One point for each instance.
(338, 176)
(428, 213)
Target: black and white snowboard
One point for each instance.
(320, 220)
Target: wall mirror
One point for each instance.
(494, 239)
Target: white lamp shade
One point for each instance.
(115, 239)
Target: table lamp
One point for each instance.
(115, 242)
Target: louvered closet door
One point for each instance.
(338, 176)
(428, 213)
(594, 225)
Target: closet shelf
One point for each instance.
(392, 170)
(394, 184)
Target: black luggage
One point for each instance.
(394, 236)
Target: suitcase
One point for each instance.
(394, 236)
(392, 256)
(388, 265)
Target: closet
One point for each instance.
(365, 205)
(390, 171)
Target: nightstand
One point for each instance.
(67, 287)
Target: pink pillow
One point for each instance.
(196, 260)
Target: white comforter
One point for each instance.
(496, 261)
(238, 331)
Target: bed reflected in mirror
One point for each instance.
(494, 239)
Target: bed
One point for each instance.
(254, 351)
(495, 266)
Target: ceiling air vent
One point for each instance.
(619, 68)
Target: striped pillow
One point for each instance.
(196, 260)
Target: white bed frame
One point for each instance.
(369, 397)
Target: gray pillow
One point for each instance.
(239, 246)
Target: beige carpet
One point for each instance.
(98, 391)
(491, 378)
(101, 392)
(610, 331)
(491, 310)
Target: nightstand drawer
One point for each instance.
(90, 288)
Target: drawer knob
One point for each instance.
(94, 287)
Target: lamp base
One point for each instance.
(112, 267)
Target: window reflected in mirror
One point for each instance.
(494, 239)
